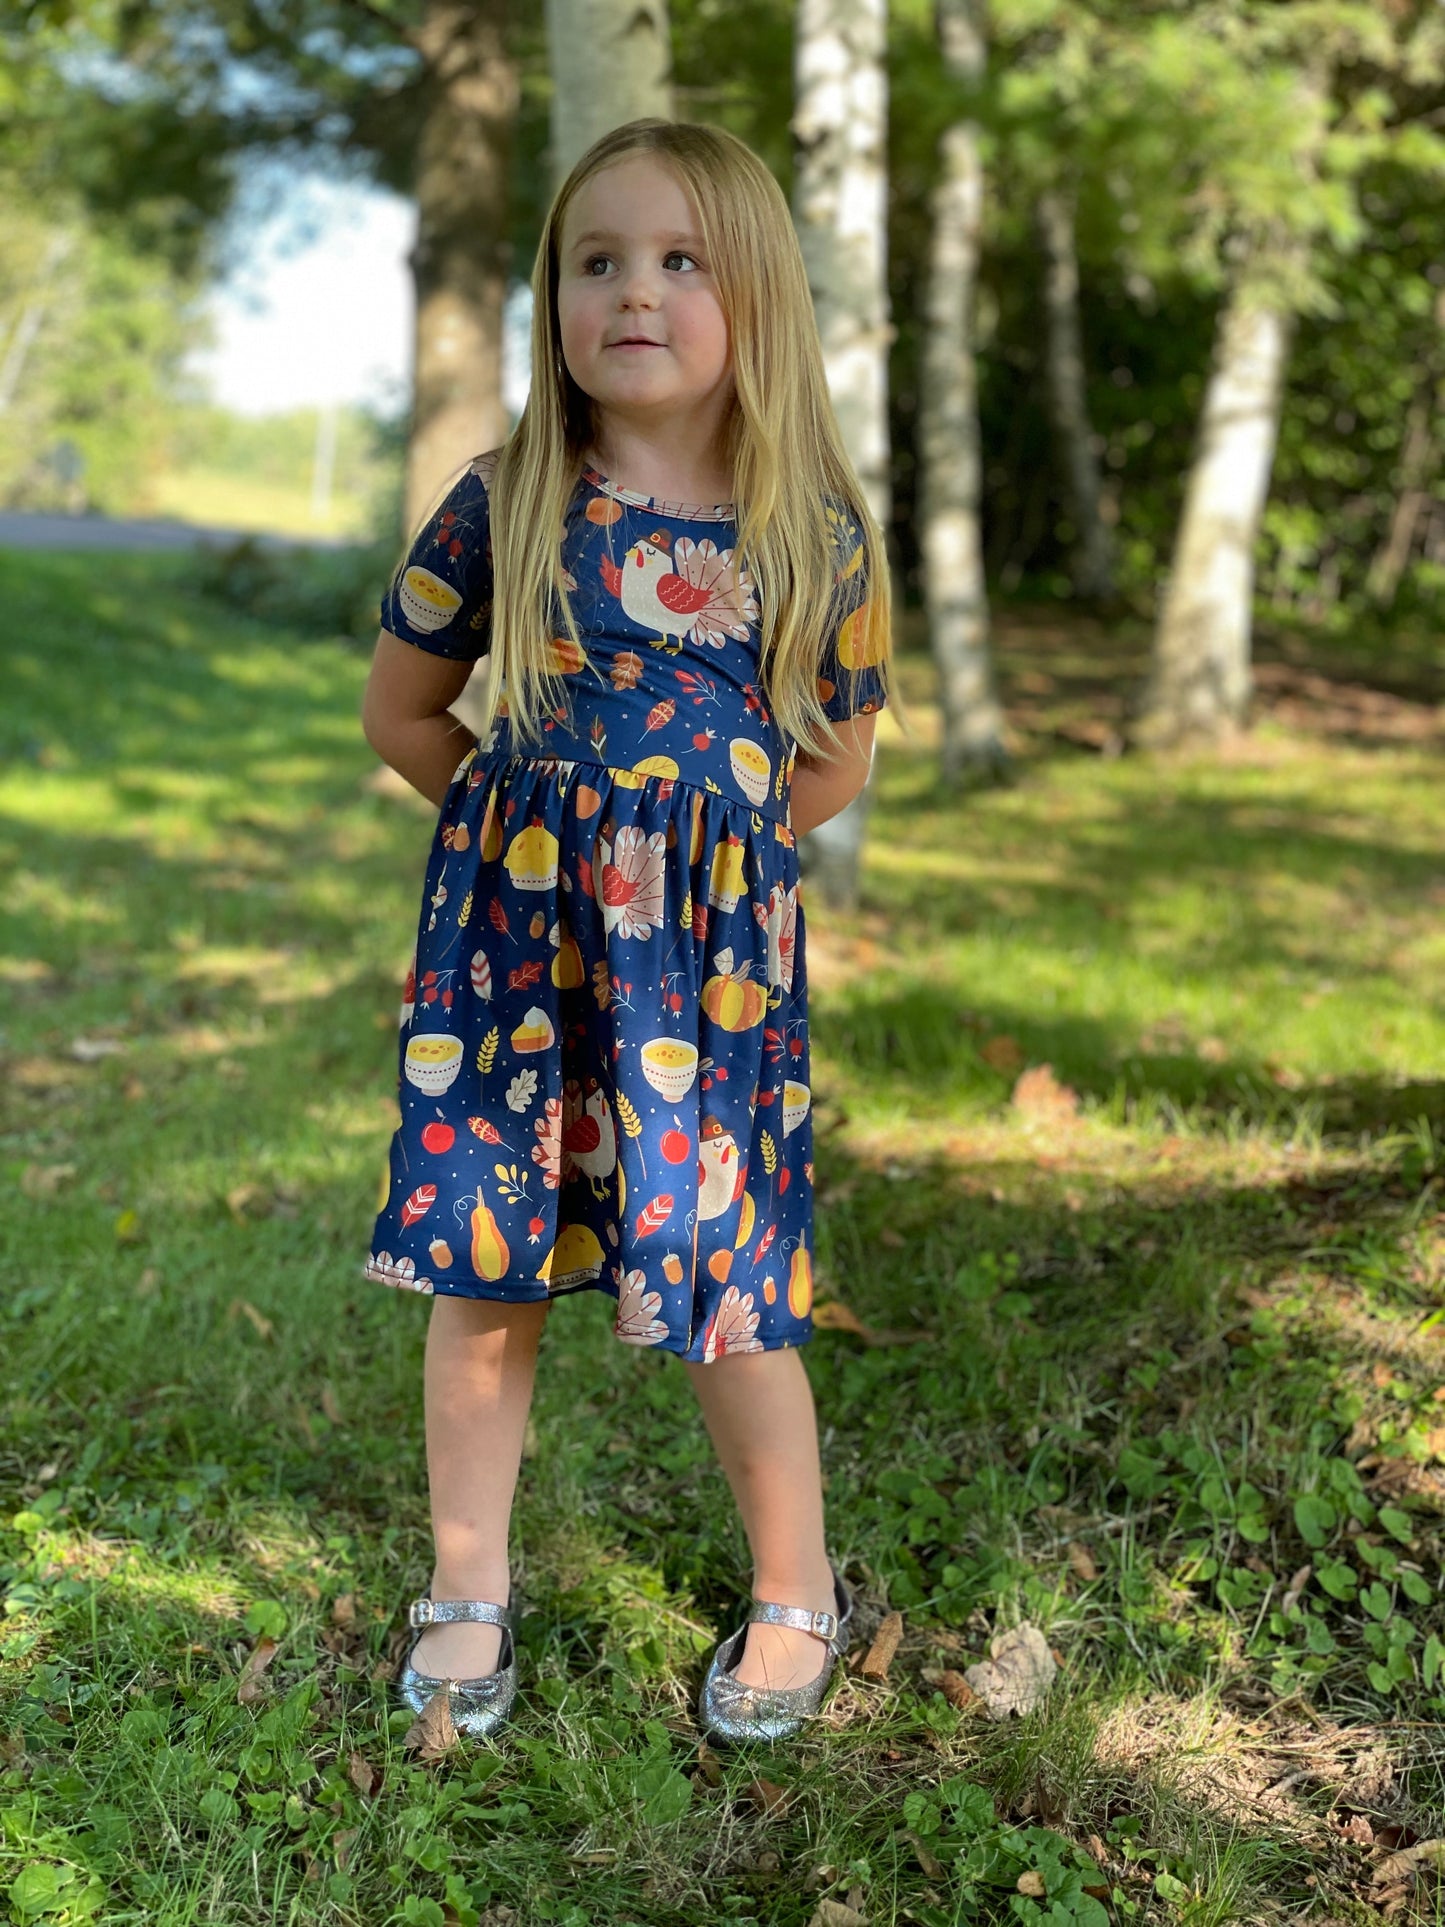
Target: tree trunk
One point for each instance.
(952, 543)
(1394, 552)
(1200, 680)
(462, 254)
(840, 194)
(1093, 568)
(611, 62)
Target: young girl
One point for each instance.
(604, 1045)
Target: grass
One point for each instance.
(1179, 1400)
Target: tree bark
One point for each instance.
(1200, 682)
(611, 62)
(1093, 565)
(1391, 557)
(949, 444)
(840, 209)
(462, 253)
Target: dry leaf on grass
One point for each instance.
(362, 1774)
(1081, 1562)
(343, 1610)
(927, 1859)
(833, 1315)
(1410, 1860)
(1032, 1884)
(1038, 1093)
(1295, 1587)
(330, 1404)
(341, 1844)
(242, 1307)
(44, 1180)
(879, 1656)
(956, 1689)
(709, 1765)
(432, 1734)
(1017, 1674)
(833, 1913)
(251, 1685)
(1001, 1054)
(766, 1795)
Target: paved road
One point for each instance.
(100, 532)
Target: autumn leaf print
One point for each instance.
(601, 984)
(498, 915)
(654, 1215)
(547, 1151)
(524, 975)
(483, 1128)
(626, 669)
(418, 1204)
(660, 714)
(521, 1090)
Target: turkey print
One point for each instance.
(603, 1062)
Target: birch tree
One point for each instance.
(949, 443)
(611, 62)
(1093, 559)
(839, 127)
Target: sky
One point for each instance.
(318, 307)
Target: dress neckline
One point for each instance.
(633, 498)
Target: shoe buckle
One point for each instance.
(825, 1625)
(421, 1613)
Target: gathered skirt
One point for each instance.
(603, 1076)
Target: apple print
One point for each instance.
(438, 1138)
(675, 1146)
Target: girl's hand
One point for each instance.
(822, 788)
(406, 714)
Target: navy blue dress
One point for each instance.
(604, 1074)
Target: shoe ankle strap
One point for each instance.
(446, 1612)
(767, 1612)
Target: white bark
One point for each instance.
(1093, 565)
(1200, 683)
(611, 62)
(840, 209)
(949, 444)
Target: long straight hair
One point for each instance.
(805, 522)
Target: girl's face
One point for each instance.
(643, 331)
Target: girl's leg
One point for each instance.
(759, 1412)
(481, 1358)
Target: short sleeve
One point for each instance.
(441, 597)
(847, 685)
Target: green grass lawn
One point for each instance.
(1177, 1396)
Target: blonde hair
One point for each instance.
(795, 488)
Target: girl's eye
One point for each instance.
(678, 255)
(673, 254)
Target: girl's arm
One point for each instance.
(406, 714)
(822, 788)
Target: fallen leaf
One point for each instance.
(1039, 1094)
(362, 1775)
(1400, 1866)
(1002, 1054)
(44, 1180)
(831, 1315)
(432, 1734)
(240, 1198)
(1018, 1673)
(833, 1913)
(885, 1644)
(341, 1846)
(343, 1611)
(1081, 1562)
(251, 1685)
(147, 1282)
(1032, 1884)
(927, 1859)
(244, 1307)
(329, 1404)
(1292, 1592)
(956, 1690)
(709, 1765)
(886, 1235)
(90, 1050)
(765, 1795)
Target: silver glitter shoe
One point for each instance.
(477, 1705)
(729, 1710)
